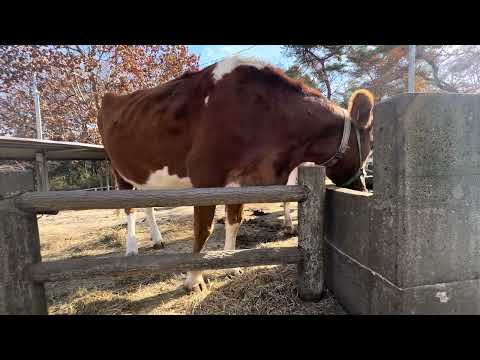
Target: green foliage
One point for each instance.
(66, 175)
(74, 175)
(325, 63)
(295, 72)
(383, 69)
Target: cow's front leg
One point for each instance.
(232, 225)
(202, 228)
(132, 246)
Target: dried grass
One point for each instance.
(259, 290)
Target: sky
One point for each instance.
(268, 53)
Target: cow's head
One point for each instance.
(360, 108)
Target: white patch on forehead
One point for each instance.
(206, 100)
(228, 65)
(160, 179)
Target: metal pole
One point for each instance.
(41, 169)
(38, 115)
(411, 68)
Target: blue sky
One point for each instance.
(269, 53)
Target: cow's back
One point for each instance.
(151, 129)
(247, 124)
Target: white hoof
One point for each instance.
(195, 281)
(132, 247)
(159, 245)
(157, 239)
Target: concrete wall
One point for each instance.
(413, 246)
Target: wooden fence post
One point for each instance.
(19, 246)
(41, 171)
(310, 233)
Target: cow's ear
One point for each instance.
(360, 107)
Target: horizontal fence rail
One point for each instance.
(85, 268)
(23, 273)
(84, 200)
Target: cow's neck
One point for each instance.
(348, 170)
(328, 131)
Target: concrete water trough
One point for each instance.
(413, 245)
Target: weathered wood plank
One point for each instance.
(19, 246)
(41, 171)
(310, 233)
(83, 200)
(85, 268)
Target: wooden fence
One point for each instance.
(23, 273)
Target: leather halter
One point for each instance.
(343, 148)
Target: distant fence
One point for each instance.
(22, 284)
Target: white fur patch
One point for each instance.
(228, 65)
(233, 184)
(193, 279)
(206, 100)
(154, 231)
(132, 246)
(293, 177)
(160, 179)
(231, 231)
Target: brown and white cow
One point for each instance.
(239, 122)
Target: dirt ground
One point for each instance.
(259, 290)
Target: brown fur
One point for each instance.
(234, 213)
(202, 228)
(230, 139)
(257, 127)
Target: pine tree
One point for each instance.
(295, 72)
(325, 63)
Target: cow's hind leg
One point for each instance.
(232, 226)
(202, 228)
(132, 246)
(155, 233)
